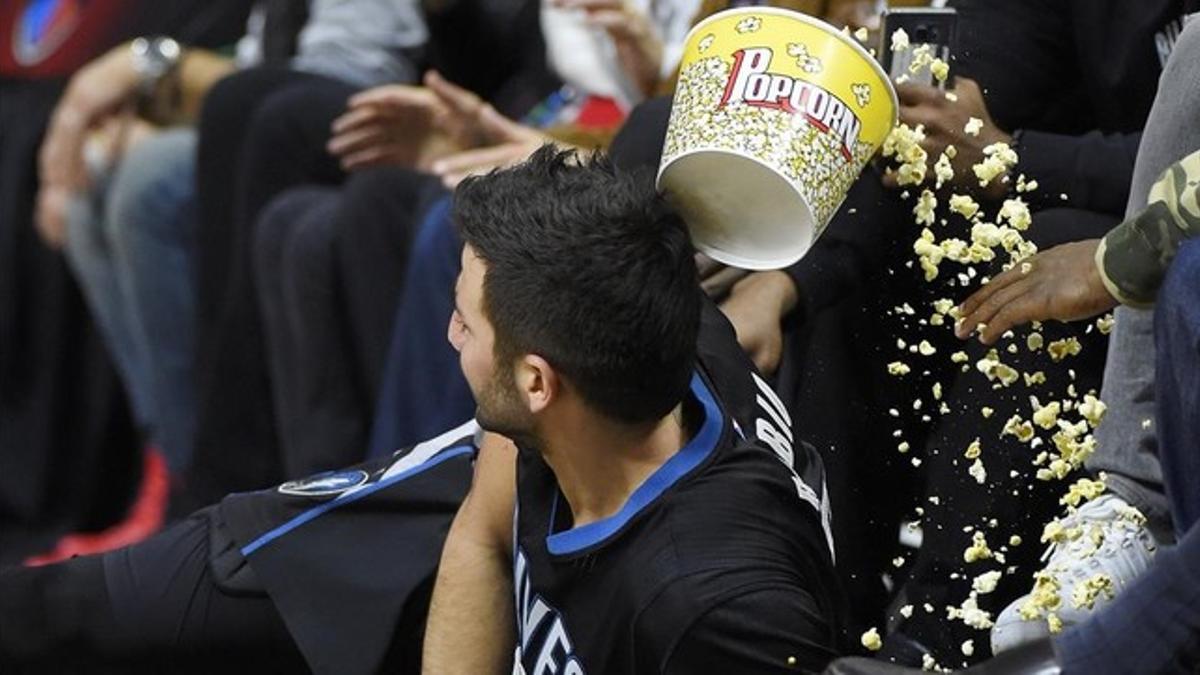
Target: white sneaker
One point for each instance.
(1094, 553)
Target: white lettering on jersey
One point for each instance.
(553, 645)
(776, 431)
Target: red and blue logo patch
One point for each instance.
(43, 27)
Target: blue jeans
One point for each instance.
(1177, 376)
(131, 245)
(423, 391)
(1154, 625)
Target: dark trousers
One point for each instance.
(329, 266)
(69, 455)
(261, 131)
(424, 390)
(154, 607)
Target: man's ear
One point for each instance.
(538, 382)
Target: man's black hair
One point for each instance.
(588, 268)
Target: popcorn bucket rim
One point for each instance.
(816, 23)
(756, 264)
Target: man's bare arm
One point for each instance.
(471, 623)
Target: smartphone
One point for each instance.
(925, 26)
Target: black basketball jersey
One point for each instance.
(719, 562)
(349, 556)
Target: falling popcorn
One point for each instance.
(898, 368)
(861, 34)
(1035, 378)
(940, 70)
(928, 662)
(871, 640)
(986, 583)
(899, 40)
(1016, 212)
(1024, 185)
(1092, 409)
(964, 205)
(749, 24)
(943, 170)
(970, 614)
(1046, 416)
(973, 450)
(1034, 341)
(973, 126)
(986, 412)
(959, 357)
(992, 367)
(1015, 426)
(937, 391)
(1014, 540)
(906, 611)
(978, 550)
(978, 472)
(926, 349)
(904, 143)
(924, 210)
(998, 159)
(1105, 324)
(1061, 349)
(968, 648)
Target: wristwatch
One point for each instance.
(155, 60)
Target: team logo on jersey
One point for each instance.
(752, 83)
(43, 27)
(541, 633)
(325, 484)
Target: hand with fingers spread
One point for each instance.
(945, 122)
(500, 142)
(388, 125)
(639, 47)
(1061, 283)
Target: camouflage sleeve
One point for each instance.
(1134, 256)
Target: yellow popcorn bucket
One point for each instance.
(775, 114)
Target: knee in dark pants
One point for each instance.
(48, 613)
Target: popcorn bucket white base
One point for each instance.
(712, 189)
(775, 115)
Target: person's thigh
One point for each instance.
(152, 607)
(1177, 374)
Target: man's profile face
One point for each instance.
(499, 407)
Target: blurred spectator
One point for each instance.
(68, 456)
(124, 192)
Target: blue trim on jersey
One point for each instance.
(347, 498)
(689, 457)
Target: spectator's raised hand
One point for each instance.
(392, 125)
(1060, 283)
(945, 122)
(509, 143)
(639, 47)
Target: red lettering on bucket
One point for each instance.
(752, 83)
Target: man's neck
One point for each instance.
(599, 463)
